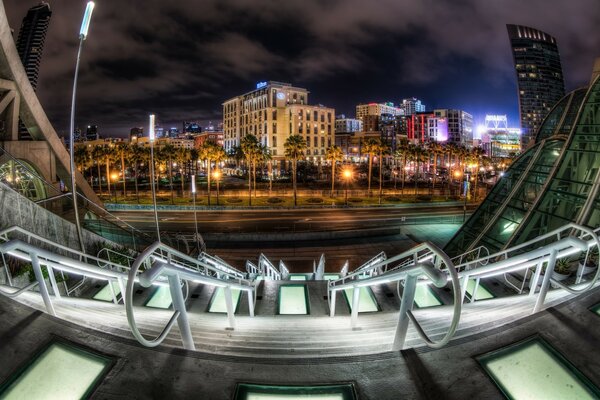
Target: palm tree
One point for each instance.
(371, 148)
(210, 151)
(109, 154)
(167, 152)
(83, 158)
(403, 152)
(477, 154)
(124, 150)
(97, 156)
(264, 157)
(436, 150)
(383, 150)
(334, 154)
(138, 155)
(420, 155)
(294, 149)
(249, 146)
(194, 157)
(182, 156)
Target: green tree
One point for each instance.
(294, 149)
(124, 151)
(182, 156)
(209, 152)
(334, 154)
(83, 158)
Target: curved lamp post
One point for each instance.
(347, 177)
(85, 26)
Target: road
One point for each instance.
(284, 221)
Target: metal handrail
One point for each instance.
(267, 268)
(163, 264)
(110, 251)
(220, 264)
(409, 274)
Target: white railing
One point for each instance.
(267, 269)
(283, 270)
(221, 265)
(165, 263)
(409, 274)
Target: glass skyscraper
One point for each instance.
(539, 76)
(554, 182)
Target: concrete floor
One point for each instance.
(421, 373)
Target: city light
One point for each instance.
(151, 133)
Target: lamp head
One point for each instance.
(85, 24)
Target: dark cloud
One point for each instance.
(180, 59)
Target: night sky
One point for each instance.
(181, 59)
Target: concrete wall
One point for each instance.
(16, 210)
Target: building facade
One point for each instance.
(412, 106)
(539, 76)
(377, 109)
(273, 112)
(30, 42)
(455, 126)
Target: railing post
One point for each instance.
(333, 295)
(179, 305)
(463, 289)
(355, 305)
(536, 277)
(250, 302)
(546, 282)
(53, 282)
(229, 306)
(408, 298)
(37, 270)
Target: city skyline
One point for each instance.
(182, 61)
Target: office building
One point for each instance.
(91, 133)
(274, 111)
(412, 106)
(136, 132)
(453, 126)
(539, 76)
(30, 43)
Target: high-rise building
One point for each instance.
(91, 133)
(274, 111)
(346, 125)
(458, 125)
(30, 44)
(191, 127)
(539, 76)
(376, 109)
(412, 106)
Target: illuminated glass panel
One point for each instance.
(217, 303)
(532, 369)
(331, 277)
(105, 294)
(268, 392)
(61, 371)
(553, 119)
(596, 309)
(293, 299)
(482, 292)
(366, 302)
(297, 277)
(424, 297)
(161, 298)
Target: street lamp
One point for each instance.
(195, 214)
(217, 175)
(151, 136)
(115, 178)
(347, 176)
(85, 25)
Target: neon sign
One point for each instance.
(260, 85)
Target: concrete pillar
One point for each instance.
(408, 298)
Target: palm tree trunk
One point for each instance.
(108, 174)
(208, 168)
(99, 177)
(294, 179)
(135, 181)
(254, 177)
(370, 166)
(123, 172)
(249, 184)
(380, 175)
(332, 177)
